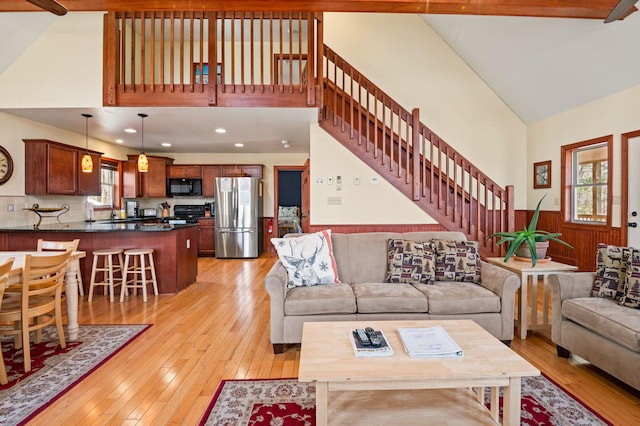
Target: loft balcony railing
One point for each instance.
(189, 58)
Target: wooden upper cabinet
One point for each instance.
(53, 168)
(149, 184)
(251, 170)
(192, 171)
(89, 183)
(209, 175)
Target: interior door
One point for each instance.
(633, 195)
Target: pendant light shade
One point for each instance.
(143, 162)
(87, 163)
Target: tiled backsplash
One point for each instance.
(12, 213)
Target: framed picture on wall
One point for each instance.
(542, 174)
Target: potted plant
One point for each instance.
(530, 242)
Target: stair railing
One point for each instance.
(413, 157)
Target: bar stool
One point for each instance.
(108, 270)
(138, 268)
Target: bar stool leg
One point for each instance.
(93, 277)
(153, 274)
(124, 290)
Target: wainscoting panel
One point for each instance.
(584, 238)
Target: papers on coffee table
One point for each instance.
(362, 351)
(429, 342)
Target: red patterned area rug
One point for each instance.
(286, 402)
(56, 370)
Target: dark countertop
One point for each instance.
(99, 226)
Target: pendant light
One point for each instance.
(143, 163)
(87, 162)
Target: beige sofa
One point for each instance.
(363, 295)
(595, 328)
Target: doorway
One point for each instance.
(630, 203)
(289, 200)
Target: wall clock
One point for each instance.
(6, 165)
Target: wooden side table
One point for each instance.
(531, 274)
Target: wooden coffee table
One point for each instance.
(374, 390)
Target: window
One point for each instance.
(109, 185)
(587, 194)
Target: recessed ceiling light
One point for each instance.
(119, 141)
(165, 144)
(221, 130)
(130, 130)
(239, 145)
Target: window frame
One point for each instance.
(566, 194)
(115, 165)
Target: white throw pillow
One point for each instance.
(308, 259)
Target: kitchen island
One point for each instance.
(175, 246)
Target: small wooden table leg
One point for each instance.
(322, 403)
(511, 402)
(495, 403)
(522, 326)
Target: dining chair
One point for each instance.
(5, 268)
(45, 245)
(40, 303)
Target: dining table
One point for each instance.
(71, 282)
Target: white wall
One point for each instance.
(614, 114)
(403, 56)
(365, 203)
(62, 68)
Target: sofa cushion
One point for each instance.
(607, 318)
(457, 260)
(631, 293)
(308, 259)
(459, 298)
(320, 299)
(410, 262)
(611, 265)
(387, 298)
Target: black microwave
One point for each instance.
(184, 187)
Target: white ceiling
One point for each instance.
(538, 66)
(542, 66)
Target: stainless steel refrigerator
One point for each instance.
(238, 211)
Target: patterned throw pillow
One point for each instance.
(631, 296)
(410, 262)
(457, 260)
(611, 268)
(308, 259)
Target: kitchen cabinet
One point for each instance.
(209, 175)
(149, 184)
(207, 240)
(187, 171)
(232, 170)
(53, 168)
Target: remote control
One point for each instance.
(362, 337)
(373, 336)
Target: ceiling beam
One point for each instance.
(591, 9)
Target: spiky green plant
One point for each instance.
(529, 236)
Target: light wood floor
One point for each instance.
(218, 329)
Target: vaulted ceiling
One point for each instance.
(540, 63)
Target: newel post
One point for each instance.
(415, 152)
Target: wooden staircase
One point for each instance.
(415, 160)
